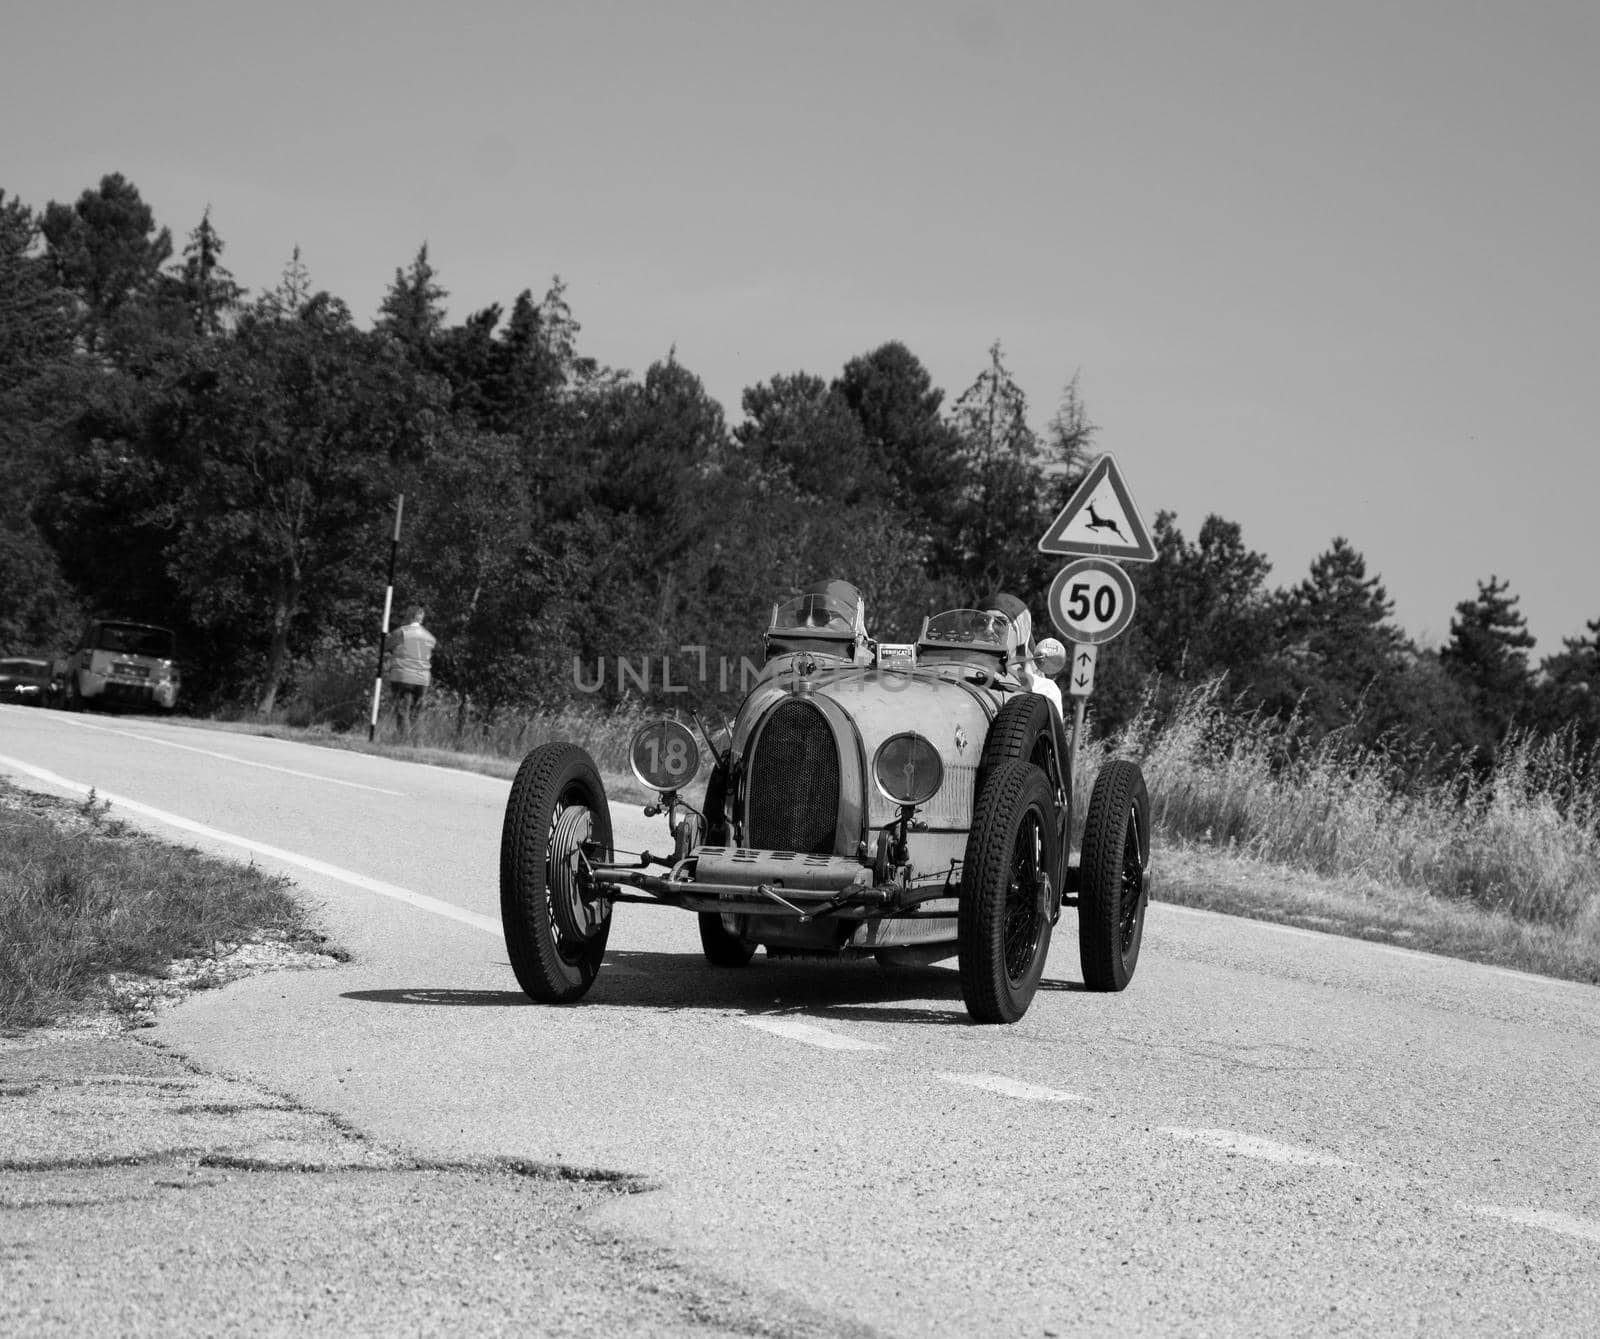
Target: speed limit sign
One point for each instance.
(1091, 601)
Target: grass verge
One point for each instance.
(86, 903)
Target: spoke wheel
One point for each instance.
(1113, 889)
(555, 930)
(1010, 879)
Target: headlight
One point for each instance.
(908, 769)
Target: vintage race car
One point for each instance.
(910, 802)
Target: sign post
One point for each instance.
(1092, 598)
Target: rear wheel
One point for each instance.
(1112, 890)
(1010, 880)
(723, 948)
(555, 934)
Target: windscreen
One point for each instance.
(133, 639)
(815, 613)
(970, 627)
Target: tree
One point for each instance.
(107, 251)
(894, 398)
(412, 311)
(991, 417)
(279, 465)
(1203, 607)
(1341, 651)
(200, 286)
(800, 429)
(37, 607)
(1567, 694)
(1069, 437)
(1487, 655)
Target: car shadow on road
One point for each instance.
(858, 989)
(440, 997)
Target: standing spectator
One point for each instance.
(410, 650)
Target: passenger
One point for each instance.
(1031, 664)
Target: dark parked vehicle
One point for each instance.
(123, 664)
(28, 682)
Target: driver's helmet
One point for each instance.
(831, 610)
(834, 604)
(1021, 620)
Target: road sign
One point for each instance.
(1091, 601)
(1100, 520)
(1080, 673)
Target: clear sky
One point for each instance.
(1322, 268)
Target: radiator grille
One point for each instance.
(793, 782)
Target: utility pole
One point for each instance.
(388, 605)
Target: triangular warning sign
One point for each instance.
(1100, 520)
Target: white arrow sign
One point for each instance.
(1080, 673)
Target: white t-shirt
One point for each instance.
(1035, 682)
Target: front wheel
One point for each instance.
(555, 928)
(1010, 883)
(1112, 889)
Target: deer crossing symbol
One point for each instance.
(1099, 522)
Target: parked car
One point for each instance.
(122, 664)
(908, 802)
(28, 682)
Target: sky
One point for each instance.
(1321, 269)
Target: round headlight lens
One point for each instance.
(908, 769)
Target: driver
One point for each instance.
(835, 607)
(1031, 662)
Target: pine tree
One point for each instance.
(1488, 656)
(991, 417)
(413, 308)
(201, 284)
(107, 250)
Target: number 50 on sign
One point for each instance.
(1091, 601)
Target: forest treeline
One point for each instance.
(175, 449)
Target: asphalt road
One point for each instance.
(1271, 1131)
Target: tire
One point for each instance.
(1023, 730)
(723, 948)
(1112, 889)
(1003, 933)
(554, 940)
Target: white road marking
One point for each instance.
(1252, 1146)
(228, 757)
(488, 924)
(1026, 1092)
(1550, 1220)
(794, 1030)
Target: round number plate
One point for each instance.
(665, 755)
(1091, 601)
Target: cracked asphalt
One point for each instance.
(142, 1196)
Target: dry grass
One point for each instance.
(86, 901)
(1500, 868)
